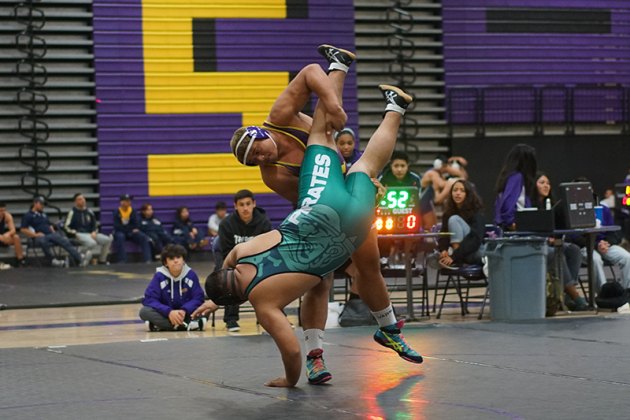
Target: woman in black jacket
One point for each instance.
(462, 218)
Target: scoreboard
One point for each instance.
(399, 211)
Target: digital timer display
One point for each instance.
(398, 211)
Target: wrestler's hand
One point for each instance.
(381, 190)
(279, 383)
(204, 310)
(335, 120)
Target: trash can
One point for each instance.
(517, 268)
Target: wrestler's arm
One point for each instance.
(230, 260)
(254, 246)
(311, 79)
(276, 324)
(283, 182)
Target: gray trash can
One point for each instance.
(517, 268)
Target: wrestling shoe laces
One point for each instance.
(316, 368)
(392, 338)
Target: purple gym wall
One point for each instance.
(481, 48)
(175, 121)
(530, 44)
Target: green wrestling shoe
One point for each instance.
(316, 371)
(392, 338)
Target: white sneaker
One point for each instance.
(197, 324)
(86, 258)
(4, 266)
(58, 263)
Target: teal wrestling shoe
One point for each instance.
(316, 371)
(392, 338)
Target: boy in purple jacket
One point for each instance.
(173, 294)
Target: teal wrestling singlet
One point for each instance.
(334, 218)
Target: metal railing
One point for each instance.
(538, 107)
(402, 47)
(29, 97)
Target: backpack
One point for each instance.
(612, 295)
(356, 313)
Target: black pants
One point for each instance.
(231, 313)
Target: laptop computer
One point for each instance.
(532, 219)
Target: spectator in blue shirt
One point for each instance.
(185, 232)
(35, 225)
(153, 228)
(127, 227)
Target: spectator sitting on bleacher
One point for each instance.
(184, 231)
(153, 228)
(214, 221)
(81, 224)
(127, 227)
(9, 236)
(173, 294)
(35, 225)
(462, 217)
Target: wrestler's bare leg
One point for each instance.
(366, 273)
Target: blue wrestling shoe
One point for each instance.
(316, 371)
(336, 55)
(392, 338)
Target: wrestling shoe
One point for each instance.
(391, 337)
(338, 59)
(316, 371)
(397, 99)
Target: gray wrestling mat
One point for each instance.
(94, 285)
(575, 368)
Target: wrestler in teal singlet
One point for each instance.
(334, 218)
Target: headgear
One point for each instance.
(247, 139)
